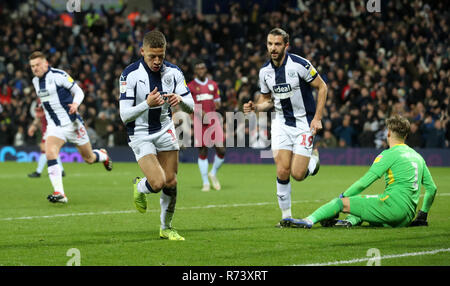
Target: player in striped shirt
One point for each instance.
(404, 171)
(286, 82)
(60, 97)
(149, 88)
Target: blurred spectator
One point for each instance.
(414, 139)
(345, 131)
(435, 136)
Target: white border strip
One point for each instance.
(357, 260)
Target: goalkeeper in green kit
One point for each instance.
(404, 172)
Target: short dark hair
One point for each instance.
(36, 55)
(280, 32)
(399, 125)
(155, 39)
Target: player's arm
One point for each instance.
(182, 95)
(360, 185)
(319, 84)
(34, 126)
(380, 165)
(68, 83)
(430, 193)
(264, 103)
(129, 111)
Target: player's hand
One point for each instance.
(31, 130)
(173, 99)
(154, 98)
(249, 107)
(316, 125)
(421, 219)
(73, 107)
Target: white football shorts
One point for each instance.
(297, 140)
(154, 143)
(74, 132)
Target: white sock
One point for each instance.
(312, 163)
(167, 201)
(55, 174)
(60, 163)
(203, 166)
(41, 163)
(216, 165)
(284, 197)
(101, 156)
(142, 188)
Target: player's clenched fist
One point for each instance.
(249, 107)
(154, 98)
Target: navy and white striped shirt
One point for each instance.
(54, 89)
(289, 86)
(136, 82)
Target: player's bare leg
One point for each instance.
(93, 156)
(169, 163)
(218, 161)
(52, 147)
(283, 159)
(299, 167)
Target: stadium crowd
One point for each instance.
(375, 64)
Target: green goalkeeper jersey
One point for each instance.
(405, 171)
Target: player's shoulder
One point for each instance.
(265, 65)
(170, 67)
(296, 59)
(58, 73)
(129, 69)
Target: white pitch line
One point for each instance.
(358, 260)
(157, 210)
(153, 210)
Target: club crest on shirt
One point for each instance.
(211, 87)
(291, 73)
(168, 80)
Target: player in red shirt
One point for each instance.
(40, 121)
(205, 92)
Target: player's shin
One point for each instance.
(203, 167)
(168, 201)
(327, 211)
(41, 163)
(55, 174)
(218, 161)
(284, 197)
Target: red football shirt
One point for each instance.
(204, 93)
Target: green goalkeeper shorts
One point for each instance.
(380, 210)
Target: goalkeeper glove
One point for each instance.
(421, 219)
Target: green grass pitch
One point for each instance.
(231, 227)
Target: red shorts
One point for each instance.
(209, 135)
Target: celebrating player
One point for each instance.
(206, 93)
(405, 171)
(149, 88)
(40, 122)
(60, 96)
(288, 78)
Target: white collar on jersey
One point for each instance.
(201, 82)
